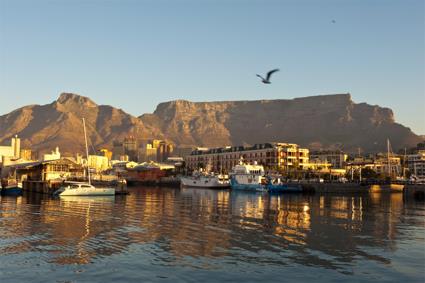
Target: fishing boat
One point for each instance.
(84, 189)
(252, 178)
(200, 180)
(11, 187)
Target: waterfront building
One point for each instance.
(273, 156)
(317, 165)
(390, 166)
(416, 164)
(13, 150)
(147, 152)
(46, 170)
(98, 163)
(54, 155)
(381, 164)
(105, 152)
(183, 151)
(27, 154)
(336, 158)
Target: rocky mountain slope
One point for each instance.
(60, 124)
(328, 121)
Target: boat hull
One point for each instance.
(247, 187)
(90, 192)
(284, 188)
(279, 188)
(11, 191)
(203, 183)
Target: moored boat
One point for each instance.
(252, 178)
(11, 187)
(83, 189)
(200, 180)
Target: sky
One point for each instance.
(136, 54)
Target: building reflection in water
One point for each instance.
(183, 226)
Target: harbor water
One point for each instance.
(200, 235)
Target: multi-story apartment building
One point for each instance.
(416, 164)
(277, 156)
(336, 158)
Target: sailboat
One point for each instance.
(82, 188)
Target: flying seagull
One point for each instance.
(333, 21)
(267, 79)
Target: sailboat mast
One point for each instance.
(388, 157)
(87, 150)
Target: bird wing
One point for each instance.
(260, 76)
(270, 73)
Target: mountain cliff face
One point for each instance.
(328, 121)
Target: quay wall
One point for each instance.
(42, 187)
(335, 188)
(415, 190)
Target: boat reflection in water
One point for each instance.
(229, 235)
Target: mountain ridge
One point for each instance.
(330, 121)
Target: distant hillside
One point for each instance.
(327, 121)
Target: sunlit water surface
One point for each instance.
(193, 235)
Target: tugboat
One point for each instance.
(252, 178)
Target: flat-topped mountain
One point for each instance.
(325, 121)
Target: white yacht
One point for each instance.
(84, 189)
(205, 181)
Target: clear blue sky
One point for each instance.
(135, 54)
